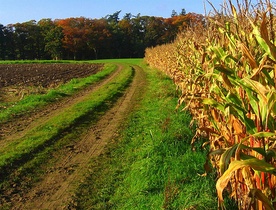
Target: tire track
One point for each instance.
(18, 127)
(56, 189)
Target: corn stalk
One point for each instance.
(226, 71)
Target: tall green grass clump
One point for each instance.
(225, 69)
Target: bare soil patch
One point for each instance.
(45, 75)
(19, 80)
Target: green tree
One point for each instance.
(53, 36)
(53, 42)
(98, 36)
(154, 30)
(174, 13)
(126, 30)
(9, 42)
(2, 42)
(116, 37)
(28, 40)
(183, 12)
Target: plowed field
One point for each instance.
(45, 75)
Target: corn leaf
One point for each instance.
(257, 194)
(250, 125)
(224, 69)
(256, 164)
(272, 102)
(261, 36)
(248, 55)
(264, 35)
(217, 152)
(231, 97)
(259, 135)
(245, 156)
(268, 77)
(219, 52)
(256, 149)
(213, 103)
(226, 158)
(257, 87)
(235, 110)
(253, 100)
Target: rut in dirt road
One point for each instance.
(17, 127)
(56, 188)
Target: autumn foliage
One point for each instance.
(84, 38)
(226, 72)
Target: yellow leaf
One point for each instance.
(265, 36)
(248, 55)
(258, 88)
(238, 127)
(256, 164)
(247, 175)
(215, 114)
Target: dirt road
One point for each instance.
(55, 188)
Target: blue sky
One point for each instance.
(13, 11)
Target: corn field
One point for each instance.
(225, 70)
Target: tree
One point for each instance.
(98, 38)
(114, 18)
(137, 37)
(153, 30)
(174, 13)
(28, 40)
(53, 45)
(74, 39)
(2, 42)
(46, 26)
(183, 12)
(84, 38)
(9, 42)
(127, 16)
(126, 30)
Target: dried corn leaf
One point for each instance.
(258, 88)
(257, 194)
(238, 127)
(248, 55)
(247, 176)
(256, 164)
(264, 35)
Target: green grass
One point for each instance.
(36, 139)
(35, 101)
(151, 166)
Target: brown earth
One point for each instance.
(19, 80)
(44, 75)
(58, 181)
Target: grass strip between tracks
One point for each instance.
(152, 165)
(21, 150)
(35, 101)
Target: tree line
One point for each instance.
(84, 38)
